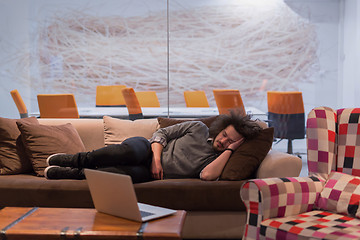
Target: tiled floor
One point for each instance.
(299, 146)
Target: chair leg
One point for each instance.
(24, 115)
(289, 147)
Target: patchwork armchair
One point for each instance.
(324, 205)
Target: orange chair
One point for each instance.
(286, 114)
(19, 103)
(195, 99)
(227, 99)
(132, 104)
(57, 106)
(110, 96)
(147, 98)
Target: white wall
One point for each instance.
(325, 14)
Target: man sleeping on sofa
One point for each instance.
(186, 150)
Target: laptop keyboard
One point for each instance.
(145, 214)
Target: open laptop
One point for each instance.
(114, 194)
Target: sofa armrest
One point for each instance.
(279, 164)
(278, 197)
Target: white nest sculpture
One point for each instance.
(230, 46)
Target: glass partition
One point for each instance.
(171, 46)
(251, 46)
(80, 45)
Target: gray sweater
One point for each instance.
(187, 149)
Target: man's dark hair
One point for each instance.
(243, 124)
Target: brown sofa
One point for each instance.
(214, 209)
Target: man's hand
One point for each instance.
(236, 144)
(213, 170)
(156, 169)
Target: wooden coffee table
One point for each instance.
(17, 223)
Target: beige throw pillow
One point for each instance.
(166, 122)
(117, 130)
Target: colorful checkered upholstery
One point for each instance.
(277, 197)
(341, 194)
(321, 141)
(348, 141)
(288, 208)
(311, 225)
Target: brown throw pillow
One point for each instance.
(13, 159)
(244, 162)
(40, 141)
(166, 122)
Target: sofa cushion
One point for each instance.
(28, 190)
(192, 194)
(244, 162)
(341, 194)
(93, 139)
(117, 130)
(40, 141)
(13, 159)
(166, 122)
(25, 190)
(311, 225)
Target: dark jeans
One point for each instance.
(132, 157)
